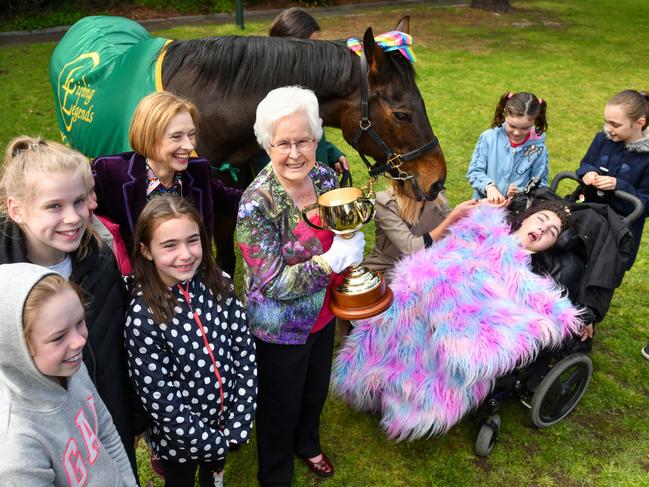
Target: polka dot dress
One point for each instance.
(174, 377)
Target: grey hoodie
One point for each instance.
(49, 435)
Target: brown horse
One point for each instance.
(226, 77)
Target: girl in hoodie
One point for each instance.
(513, 151)
(618, 157)
(44, 220)
(55, 429)
(190, 354)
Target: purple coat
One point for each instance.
(121, 183)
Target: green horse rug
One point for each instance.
(100, 71)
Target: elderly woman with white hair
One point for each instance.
(289, 268)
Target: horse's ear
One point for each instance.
(404, 24)
(369, 45)
(373, 52)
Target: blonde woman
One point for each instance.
(163, 137)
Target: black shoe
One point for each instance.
(645, 351)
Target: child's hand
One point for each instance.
(341, 164)
(494, 196)
(589, 178)
(503, 204)
(586, 332)
(512, 190)
(605, 183)
(463, 209)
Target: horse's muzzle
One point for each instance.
(413, 188)
(434, 190)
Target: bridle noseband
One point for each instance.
(394, 161)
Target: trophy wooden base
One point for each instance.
(361, 305)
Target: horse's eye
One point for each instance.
(403, 116)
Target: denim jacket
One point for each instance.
(285, 277)
(495, 160)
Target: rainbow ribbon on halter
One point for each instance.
(390, 41)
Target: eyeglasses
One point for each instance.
(301, 145)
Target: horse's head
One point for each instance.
(398, 115)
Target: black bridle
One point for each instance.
(394, 161)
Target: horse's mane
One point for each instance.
(258, 64)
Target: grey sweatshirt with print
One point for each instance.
(50, 435)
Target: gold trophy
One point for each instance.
(362, 292)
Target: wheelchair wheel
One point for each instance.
(487, 436)
(561, 389)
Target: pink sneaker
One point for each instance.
(156, 465)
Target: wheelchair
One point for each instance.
(552, 386)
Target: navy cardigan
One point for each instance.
(629, 164)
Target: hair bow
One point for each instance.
(390, 41)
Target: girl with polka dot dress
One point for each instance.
(191, 357)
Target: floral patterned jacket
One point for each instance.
(285, 278)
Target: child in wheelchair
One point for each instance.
(479, 305)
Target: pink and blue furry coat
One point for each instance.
(466, 311)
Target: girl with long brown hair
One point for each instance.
(191, 357)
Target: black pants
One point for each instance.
(183, 474)
(293, 385)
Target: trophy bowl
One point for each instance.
(361, 292)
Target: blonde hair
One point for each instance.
(26, 157)
(151, 117)
(48, 287)
(409, 208)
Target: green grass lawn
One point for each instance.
(574, 54)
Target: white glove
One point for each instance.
(345, 252)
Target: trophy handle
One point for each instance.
(305, 210)
(367, 207)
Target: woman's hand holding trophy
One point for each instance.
(345, 251)
(363, 292)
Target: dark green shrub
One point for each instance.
(188, 6)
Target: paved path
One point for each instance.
(55, 33)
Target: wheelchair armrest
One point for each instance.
(638, 206)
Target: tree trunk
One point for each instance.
(502, 6)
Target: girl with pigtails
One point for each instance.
(191, 357)
(513, 150)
